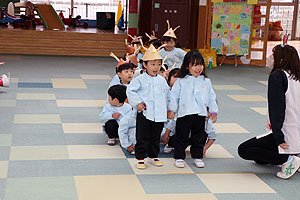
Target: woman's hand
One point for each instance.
(284, 146)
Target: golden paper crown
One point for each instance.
(171, 32)
(151, 53)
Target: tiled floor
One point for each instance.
(52, 145)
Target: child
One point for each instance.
(153, 40)
(149, 94)
(191, 94)
(124, 70)
(113, 112)
(127, 131)
(175, 55)
(282, 142)
(137, 41)
(169, 134)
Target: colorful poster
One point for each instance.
(231, 28)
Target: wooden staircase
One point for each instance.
(61, 43)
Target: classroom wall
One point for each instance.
(202, 24)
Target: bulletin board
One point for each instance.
(231, 28)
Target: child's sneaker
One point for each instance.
(140, 164)
(199, 163)
(179, 163)
(4, 81)
(289, 168)
(156, 162)
(168, 149)
(111, 141)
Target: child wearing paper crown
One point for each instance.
(175, 55)
(136, 41)
(4, 80)
(149, 95)
(153, 40)
(124, 71)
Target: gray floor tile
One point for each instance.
(100, 167)
(4, 153)
(85, 139)
(39, 168)
(172, 184)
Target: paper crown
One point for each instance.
(152, 37)
(133, 57)
(120, 61)
(171, 32)
(151, 53)
(135, 39)
(130, 49)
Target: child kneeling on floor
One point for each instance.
(127, 131)
(113, 111)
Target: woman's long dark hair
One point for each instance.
(286, 58)
(194, 57)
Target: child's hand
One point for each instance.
(284, 146)
(208, 115)
(141, 107)
(170, 115)
(165, 138)
(116, 115)
(213, 117)
(130, 148)
(204, 150)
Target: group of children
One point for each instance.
(160, 93)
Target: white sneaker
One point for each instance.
(140, 164)
(111, 141)
(168, 149)
(4, 81)
(199, 163)
(156, 162)
(132, 153)
(289, 168)
(179, 163)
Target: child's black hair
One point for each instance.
(118, 92)
(162, 69)
(194, 57)
(156, 43)
(173, 72)
(168, 39)
(124, 66)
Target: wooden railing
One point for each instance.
(60, 43)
